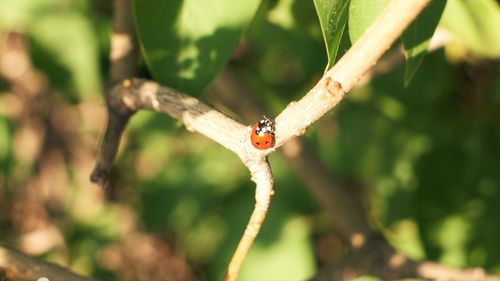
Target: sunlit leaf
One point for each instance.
(332, 18)
(417, 37)
(361, 14)
(476, 24)
(186, 43)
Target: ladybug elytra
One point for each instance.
(262, 136)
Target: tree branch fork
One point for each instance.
(132, 94)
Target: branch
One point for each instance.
(261, 175)
(363, 55)
(123, 56)
(435, 271)
(339, 201)
(371, 254)
(137, 94)
(124, 50)
(125, 99)
(141, 94)
(18, 266)
(379, 259)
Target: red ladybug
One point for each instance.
(262, 136)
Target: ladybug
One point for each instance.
(262, 136)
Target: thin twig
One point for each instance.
(261, 175)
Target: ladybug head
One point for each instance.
(265, 126)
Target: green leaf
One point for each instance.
(333, 19)
(417, 37)
(186, 43)
(361, 15)
(475, 24)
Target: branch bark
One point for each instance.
(18, 266)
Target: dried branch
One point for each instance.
(18, 266)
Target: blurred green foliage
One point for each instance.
(475, 25)
(63, 40)
(417, 37)
(428, 155)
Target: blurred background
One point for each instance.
(425, 159)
